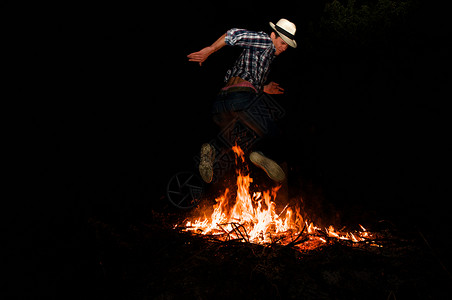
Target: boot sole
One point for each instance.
(206, 163)
(273, 170)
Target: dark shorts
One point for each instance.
(229, 107)
(247, 119)
(232, 101)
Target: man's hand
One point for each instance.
(201, 55)
(273, 88)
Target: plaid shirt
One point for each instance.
(253, 64)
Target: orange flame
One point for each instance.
(253, 218)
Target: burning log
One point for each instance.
(237, 230)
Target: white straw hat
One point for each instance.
(286, 31)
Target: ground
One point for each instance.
(154, 261)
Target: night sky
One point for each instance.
(122, 110)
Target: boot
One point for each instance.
(273, 170)
(206, 163)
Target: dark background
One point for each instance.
(117, 110)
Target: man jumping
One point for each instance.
(244, 82)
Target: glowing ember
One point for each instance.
(253, 218)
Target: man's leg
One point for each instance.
(224, 115)
(268, 148)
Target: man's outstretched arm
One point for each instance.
(203, 54)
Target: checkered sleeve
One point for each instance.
(247, 39)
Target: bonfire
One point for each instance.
(252, 217)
